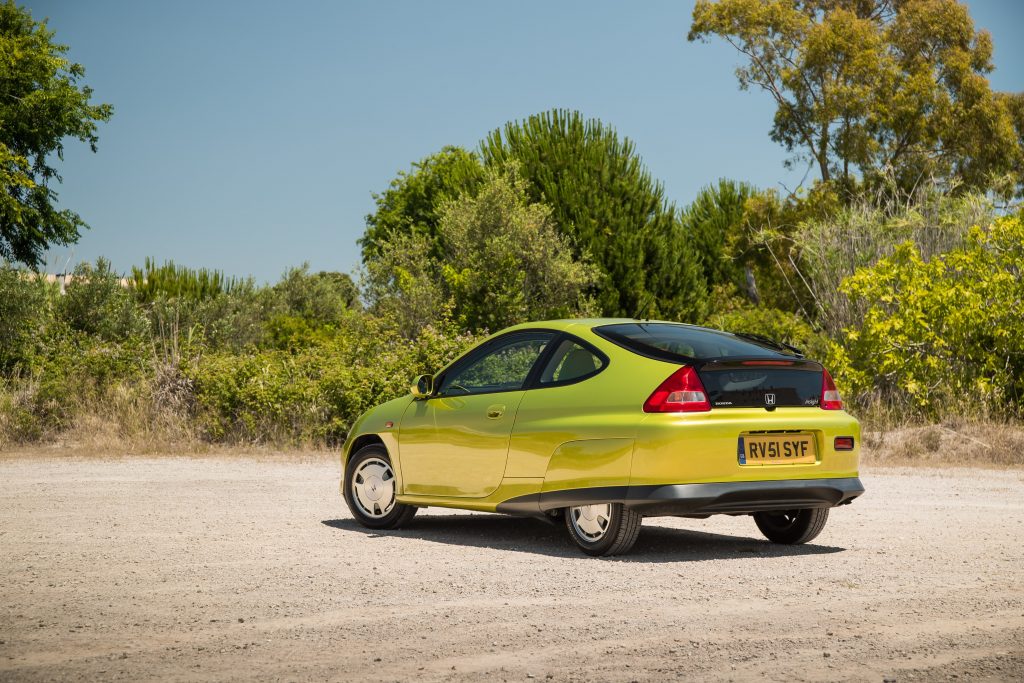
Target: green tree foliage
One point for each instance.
(716, 222)
(504, 260)
(875, 86)
(321, 298)
(828, 249)
(941, 335)
(411, 205)
(603, 198)
(402, 283)
(41, 104)
(180, 282)
(501, 262)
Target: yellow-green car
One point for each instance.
(604, 422)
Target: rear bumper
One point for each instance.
(699, 500)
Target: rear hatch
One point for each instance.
(760, 382)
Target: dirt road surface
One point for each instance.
(203, 569)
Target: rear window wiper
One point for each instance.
(768, 341)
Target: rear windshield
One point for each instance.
(745, 387)
(683, 343)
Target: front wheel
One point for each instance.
(792, 527)
(604, 528)
(370, 490)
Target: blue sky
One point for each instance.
(249, 136)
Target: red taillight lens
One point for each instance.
(830, 398)
(844, 443)
(682, 392)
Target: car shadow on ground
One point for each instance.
(656, 543)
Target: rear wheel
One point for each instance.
(370, 490)
(604, 528)
(792, 527)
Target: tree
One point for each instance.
(320, 298)
(501, 262)
(885, 88)
(505, 262)
(715, 220)
(603, 198)
(402, 284)
(41, 104)
(411, 203)
(174, 281)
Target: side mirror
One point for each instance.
(423, 386)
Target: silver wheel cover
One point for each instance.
(591, 521)
(373, 487)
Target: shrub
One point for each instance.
(76, 374)
(941, 335)
(829, 250)
(24, 313)
(96, 302)
(319, 298)
(313, 393)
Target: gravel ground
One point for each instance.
(187, 568)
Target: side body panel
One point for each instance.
(457, 446)
(601, 407)
(593, 462)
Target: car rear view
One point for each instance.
(738, 425)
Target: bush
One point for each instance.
(313, 393)
(319, 298)
(97, 302)
(24, 312)
(233, 320)
(831, 249)
(75, 375)
(942, 335)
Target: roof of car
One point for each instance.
(566, 323)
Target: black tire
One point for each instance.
(618, 536)
(388, 518)
(792, 527)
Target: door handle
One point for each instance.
(495, 411)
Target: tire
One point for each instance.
(603, 529)
(792, 527)
(370, 490)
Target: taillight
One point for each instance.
(830, 398)
(682, 392)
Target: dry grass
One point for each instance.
(92, 448)
(950, 444)
(153, 420)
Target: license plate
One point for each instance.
(777, 449)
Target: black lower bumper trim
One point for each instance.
(698, 499)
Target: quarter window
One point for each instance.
(504, 368)
(570, 362)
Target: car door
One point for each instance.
(455, 443)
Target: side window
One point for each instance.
(569, 362)
(504, 368)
